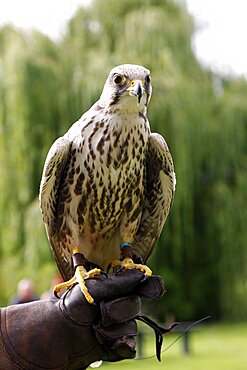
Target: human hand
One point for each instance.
(70, 333)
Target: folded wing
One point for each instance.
(53, 173)
(160, 184)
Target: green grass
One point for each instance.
(213, 347)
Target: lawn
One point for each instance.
(213, 347)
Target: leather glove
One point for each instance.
(69, 333)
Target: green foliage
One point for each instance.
(46, 86)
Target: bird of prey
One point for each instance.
(108, 183)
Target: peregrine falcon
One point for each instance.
(108, 183)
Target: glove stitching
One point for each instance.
(68, 317)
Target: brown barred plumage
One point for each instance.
(108, 180)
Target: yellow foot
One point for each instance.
(128, 264)
(80, 276)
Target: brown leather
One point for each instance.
(69, 333)
(120, 310)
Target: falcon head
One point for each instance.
(128, 87)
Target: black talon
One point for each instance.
(137, 260)
(56, 295)
(119, 270)
(104, 273)
(108, 267)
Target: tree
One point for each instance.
(46, 86)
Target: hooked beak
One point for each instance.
(136, 89)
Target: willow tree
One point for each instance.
(45, 87)
(186, 109)
(30, 117)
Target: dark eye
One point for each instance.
(148, 79)
(119, 79)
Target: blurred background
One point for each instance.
(52, 73)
